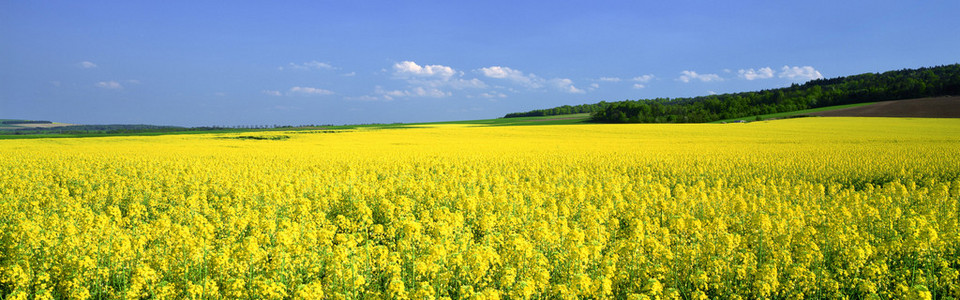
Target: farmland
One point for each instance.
(799, 208)
(936, 107)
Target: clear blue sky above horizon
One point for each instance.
(198, 63)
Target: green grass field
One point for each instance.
(792, 113)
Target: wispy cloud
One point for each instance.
(687, 76)
(493, 94)
(644, 78)
(299, 91)
(363, 98)
(87, 65)
(638, 86)
(801, 73)
(110, 85)
(413, 92)
(460, 83)
(302, 90)
(610, 79)
(751, 74)
(310, 65)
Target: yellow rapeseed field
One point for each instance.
(801, 208)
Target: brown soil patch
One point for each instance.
(31, 125)
(936, 107)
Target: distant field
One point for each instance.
(18, 123)
(2, 125)
(936, 107)
(50, 125)
(939, 107)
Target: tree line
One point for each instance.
(869, 87)
(561, 110)
(24, 122)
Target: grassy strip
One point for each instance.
(792, 113)
(4, 136)
(521, 121)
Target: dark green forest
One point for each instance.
(869, 87)
(561, 110)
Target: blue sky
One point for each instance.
(197, 63)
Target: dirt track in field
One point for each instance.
(936, 107)
(31, 125)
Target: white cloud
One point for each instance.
(272, 93)
(566, 85)
(610, 79)
(408, 68)
(802, 73)
(311, 65)
(638, 86)
(529, 80)
(428, 81)
(691, 75)
(711, 93)
(644, 78)
(500, 72)
(110, 85)
(751, 74)
(87, 65)
(309, 91)
(351, 74)
(595, 85)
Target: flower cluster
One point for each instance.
(803, 208)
